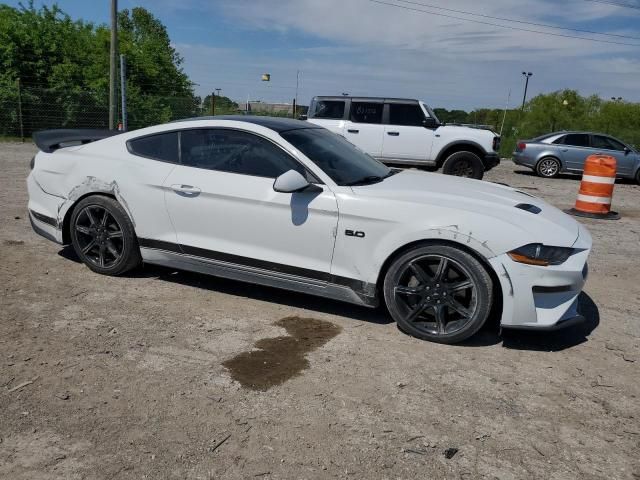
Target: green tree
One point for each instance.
(63, 69)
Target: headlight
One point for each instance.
(542, 255)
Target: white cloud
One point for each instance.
(377, 49)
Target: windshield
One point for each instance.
(341, 160)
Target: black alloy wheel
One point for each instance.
(438, 293)
(103, 237)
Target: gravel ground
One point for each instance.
(132, 377)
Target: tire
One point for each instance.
(103, 237)
(548, 167)
(638, 177)
(438, 293)
(464, 164)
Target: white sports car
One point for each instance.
(289, 204)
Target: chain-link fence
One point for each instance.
(25, 109)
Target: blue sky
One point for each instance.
(367, 48)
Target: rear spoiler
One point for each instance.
(51, 140)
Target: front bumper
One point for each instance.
(543, 298)
(491, 160)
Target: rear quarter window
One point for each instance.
(162, 146)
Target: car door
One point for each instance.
(609, 146)
(574, 150)
(364, 128)
(405, 137)
(223, 206)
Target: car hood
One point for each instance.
(442, 197)
(464, 130)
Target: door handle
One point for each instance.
(353, 131)
(564, 150)
(393, 134)
(185, 189)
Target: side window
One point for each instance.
(235, 152)
(410, 115)
(598, 141)
(365, 112)
(163, 146)
(577, 140)
(329, 109)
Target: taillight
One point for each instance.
(522, 146)
(496, 144)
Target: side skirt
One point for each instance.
(244, 273)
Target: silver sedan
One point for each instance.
(555, 153)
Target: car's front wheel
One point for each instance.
(103, 237)
(548, 167)
(464, 164)
(439, 293)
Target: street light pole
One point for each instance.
(526, 85)
(295, 103)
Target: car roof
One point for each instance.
(277, 124)
(367, 99)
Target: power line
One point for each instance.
(520, 21)
(504, 26)
(616, 4)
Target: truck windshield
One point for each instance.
(341, 160)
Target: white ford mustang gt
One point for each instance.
(288, 204)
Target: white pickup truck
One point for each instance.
(407, 132)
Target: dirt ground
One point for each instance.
(132, 377)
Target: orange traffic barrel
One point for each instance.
(596, 188)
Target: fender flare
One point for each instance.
(476, 145)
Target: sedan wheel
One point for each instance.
(548, 167)
(438, 293)
(103, 237)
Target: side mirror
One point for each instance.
(290, 182)
(627, 150)
(429, 122)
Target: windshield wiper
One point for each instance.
(369, 179)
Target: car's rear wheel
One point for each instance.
(103, 237)
(638, 177)
(438, 293)
(548, 167)
(464, 164)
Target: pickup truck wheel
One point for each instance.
(464, 164)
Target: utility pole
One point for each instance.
(112, 64)
(213, 103)
(504, 117)
(123, 92)
(527, 75)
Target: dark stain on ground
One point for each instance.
(281, 358)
